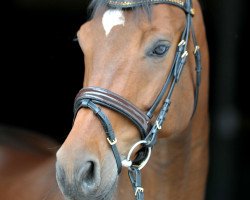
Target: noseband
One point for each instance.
(91, 97)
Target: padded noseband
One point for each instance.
(114, 102)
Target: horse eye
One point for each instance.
(159, 50)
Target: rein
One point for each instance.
(91, 97)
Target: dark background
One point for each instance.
(41, 70)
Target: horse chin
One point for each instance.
(107, 192)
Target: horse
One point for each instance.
(27, 165)
(141, 121)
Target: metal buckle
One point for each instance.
(158, 125)
(182, 43)
(196, 49)
(192, 11)
(139, 189)
(184, 54)
(112, 142)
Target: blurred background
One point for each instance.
(42, 69)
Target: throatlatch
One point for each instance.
(90, 97)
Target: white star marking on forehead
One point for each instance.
(112, 18)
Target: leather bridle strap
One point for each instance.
(132, 3)
(87, 103)
(117, 103)
(197, 56)
(178, 62)
(173, 77)
(123, 4)
(90, 96)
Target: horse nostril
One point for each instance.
(89, 177)
(80, 183)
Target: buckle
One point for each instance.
(192, 11)
(139, 189)
(112, 142)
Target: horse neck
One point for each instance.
(177, 169)
(178, 166)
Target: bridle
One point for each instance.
(91, 97)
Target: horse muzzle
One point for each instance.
(85, 178)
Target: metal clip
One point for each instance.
(112, 142)
(127, 163)
(158, 125)
(184, 54)
(196, 49)
(139, 189)
(192, 11)
(182, 43)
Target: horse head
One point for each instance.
(141, 81)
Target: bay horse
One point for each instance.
(127, 141)
(27, 165)
(141, 120)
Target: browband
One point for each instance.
(115, 102)
(121, 4)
